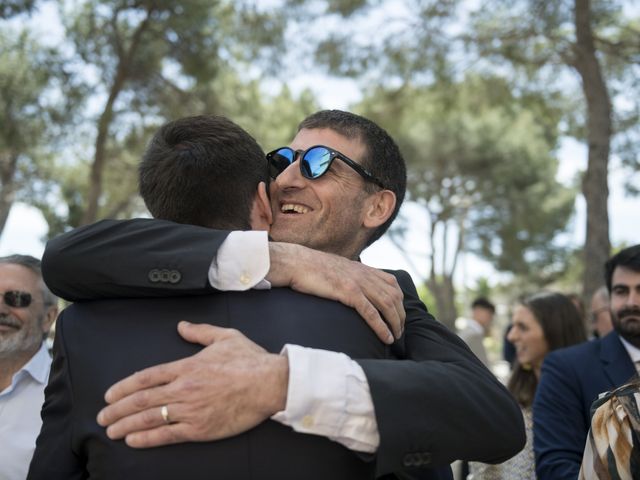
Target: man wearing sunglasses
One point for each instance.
(337, 188)
(27, 310)
(100, 342)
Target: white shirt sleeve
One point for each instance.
(328, 392)
(242, 262)
(329, 395)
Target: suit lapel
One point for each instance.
(618, 367)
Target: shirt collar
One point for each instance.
(39, 365)
(475, 326)
(37, 368)
(633, 351)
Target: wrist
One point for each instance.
(281, 263)
(277, 384)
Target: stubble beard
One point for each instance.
(23, 341)
(626, 322)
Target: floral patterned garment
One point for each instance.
(520, 467)
(613, 445)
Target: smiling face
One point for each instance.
(326, 213)
(22, 329)
(625, 304)
(528, 337)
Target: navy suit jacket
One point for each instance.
(571, 379)
(98, 343)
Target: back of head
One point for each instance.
(628, 258)
(383, 158)
(202, 170)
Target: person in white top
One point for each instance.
(27, 311)
(478, 326)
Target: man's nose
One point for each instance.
(634, 297)
(291, 177)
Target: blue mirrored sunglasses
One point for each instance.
(314, 162)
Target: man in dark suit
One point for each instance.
(572, 378)
(437, 405)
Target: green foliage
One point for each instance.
(37, 99)
(429, 299)
(482, 288)
(393, 42)
(11, 8)
(481, 158)
(539, 41)
(145, 63)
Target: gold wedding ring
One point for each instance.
(164, 411)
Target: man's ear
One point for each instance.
(261, 216)
(379, 208)
(49, 317)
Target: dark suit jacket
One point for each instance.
(436, 405)
(571, 379)
(97, 343)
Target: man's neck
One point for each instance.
(9, 366)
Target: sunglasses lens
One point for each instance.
(315, 162)
(17, 299)
(279, 160)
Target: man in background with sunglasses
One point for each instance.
(27, 310)
(337, 188)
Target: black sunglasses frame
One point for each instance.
(333, 154)
(17, 299)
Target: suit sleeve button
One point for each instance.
(154, 276)
(164, 275)
(425, 458)
(408, 460)
(174, 276)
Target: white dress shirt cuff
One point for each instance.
(242, 262)
(329, 395)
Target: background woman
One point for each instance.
(541, 323)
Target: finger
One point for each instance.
(156, 437)
(386, 304)
(397, 313)
(137, 402)
(141, 421)
(147, 378)
(393, 306)
(201, 333)
(371, 315)
(379, 289)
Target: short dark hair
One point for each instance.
(33, 264)
(627, 258)
(202, 170)
(562, 326)
(482, 302)
(382, 155)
